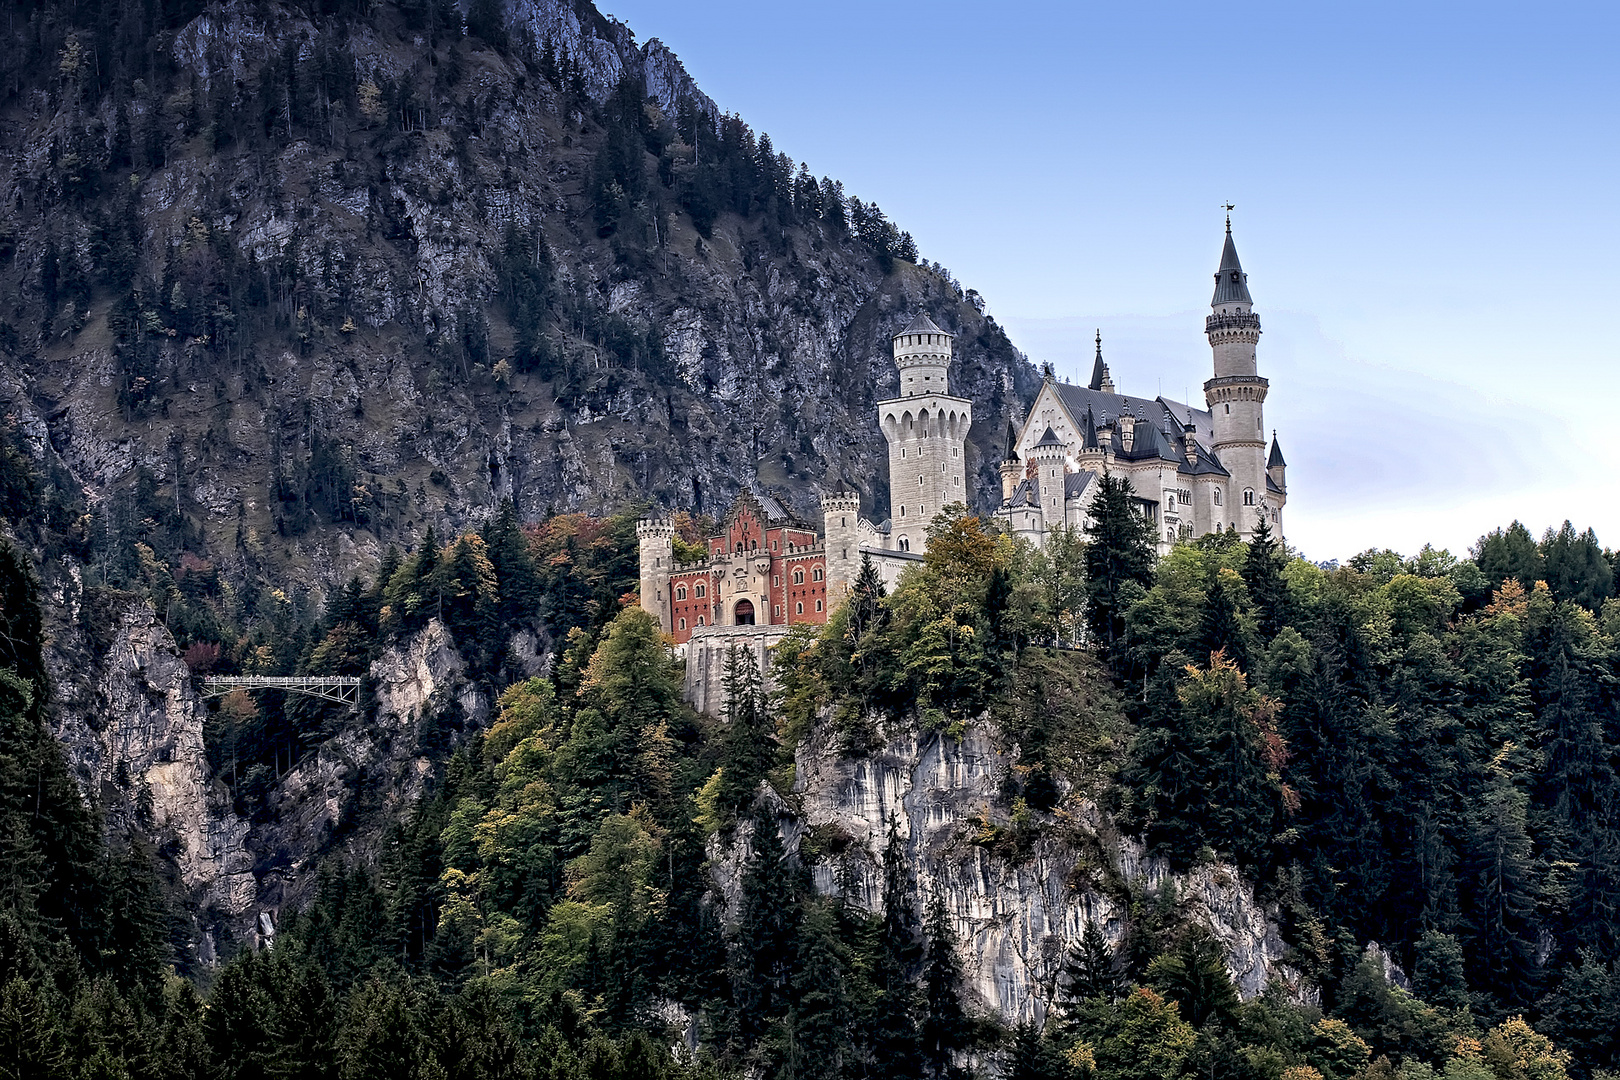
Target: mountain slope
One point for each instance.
(337, 275)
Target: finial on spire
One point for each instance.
(1229, 207)
(1099, 341)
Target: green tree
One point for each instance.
(1119, 560)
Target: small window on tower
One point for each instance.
(683, 624)
(1248, 496)
(816, 574)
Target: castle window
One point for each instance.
(905, 544)
(818, 605)
(1248, 496)
(798, 577)
(778, 610)
(700, 590)
(680, 592)
(800, 608)
(776, 579)
(843, 523)
(683, 624)
(919, 481)
(1217, 496)
(816, 574)
(902, 511)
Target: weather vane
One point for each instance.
(1228, 207)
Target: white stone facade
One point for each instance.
(1194, 471)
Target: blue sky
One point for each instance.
(1426, 205)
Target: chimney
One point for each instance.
(1127, 432)
(1189, 439)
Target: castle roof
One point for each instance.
(1276, 457)
(1049, 439)
(1231, 283)
(922, 324)
(1076, 483)
(1085, 405)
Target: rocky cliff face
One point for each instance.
(131, 722)
(132, 725)
(1017, 905)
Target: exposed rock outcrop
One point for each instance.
(131, 724)
(1017, 903)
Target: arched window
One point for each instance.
(683, 624)
(800, 608)
(680, 592)
(1217, 496)
(798, 577)
(744, 613)
(1248, 496)
(818, 605)
(700, 590)
(905, 544)
(816, 574)
(700, 620)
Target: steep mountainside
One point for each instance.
(333, 274)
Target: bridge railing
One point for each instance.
(344, 689)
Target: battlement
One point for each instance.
(657, 528)
(841, 502)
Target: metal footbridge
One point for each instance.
(343, 689)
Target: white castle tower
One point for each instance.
(1237, 392)
(927, 430)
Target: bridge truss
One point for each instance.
(343, 689)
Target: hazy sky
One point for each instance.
(1426, 206)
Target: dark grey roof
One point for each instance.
(1231, 283)
(1027, 493)
(1082, 399)
(1203, 463)
(1276, 453)
(1271, 486)
(1075, 484)
(1049, 439)
(922, 324)
(1012, 443)
(773, 509)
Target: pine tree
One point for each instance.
(1119, 561)
(1091, 970)
(894, 1028)
(946, 1028)
(1262, 573)
(750, 735)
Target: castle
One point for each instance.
(1194, 471)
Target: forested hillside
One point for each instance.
(1414, 752)
(293, 281)
(352, 338)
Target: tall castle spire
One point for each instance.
(1237, 393)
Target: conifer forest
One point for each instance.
(1407, 764)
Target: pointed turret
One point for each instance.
(1011, 468)
(1277, 468)
(1100, 377)
(1231, 283)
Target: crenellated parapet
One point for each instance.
(1234, 326)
